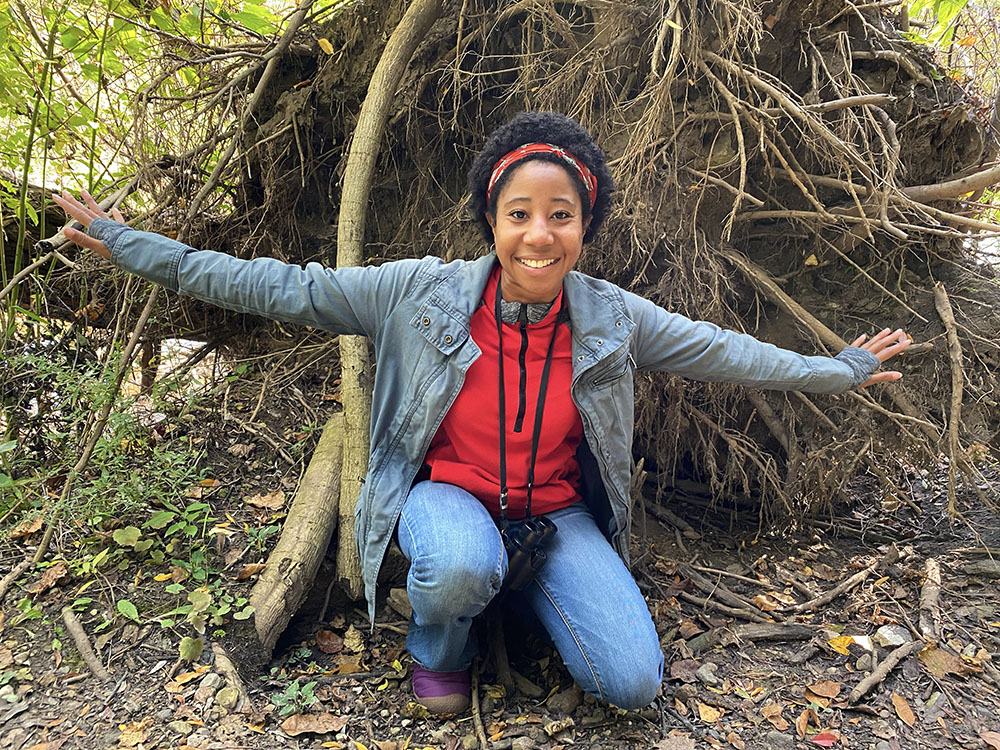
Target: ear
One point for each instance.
(491, 220)
(586, 224)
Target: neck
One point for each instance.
(510, 293)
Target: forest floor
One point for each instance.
(769, 637)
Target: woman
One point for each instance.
(504, 391)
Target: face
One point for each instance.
(538, 231)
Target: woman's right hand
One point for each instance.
(85, 213)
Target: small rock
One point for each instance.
(180, 727)
(470, 742)
(440, 736)
(706, 673)
(228, 697)
(892, 635)
(566, 701)
(488, 704)
(522, 743)
(164, 715)
(969, 650)
(864, 663)
(775, 740)
(882, 745)
(384, 713)
(685, 693)
(211, 680)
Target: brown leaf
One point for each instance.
(826, 688)
(708, 714)
(27, 527)
(271, 501)
(766, 602)
(249, 570)
(179, 574)
(688, 629)
(315, 723)
(941, 663)
(770, 21)
(348, 664)
(53, 575)
(684, 670)
(50, 745)
(991, 738)
(240, 450)
(134, 732)
(903, 710)
(734, 739)
(802, 723)
(6, 657)
(772, 712)
(329, 642)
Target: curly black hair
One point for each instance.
(540, 127)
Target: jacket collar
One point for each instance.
(598, 318)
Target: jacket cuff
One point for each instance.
(862, 362)
(107, 231)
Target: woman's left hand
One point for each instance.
(85, 213)
(884, 345)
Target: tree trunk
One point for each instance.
(355, 367)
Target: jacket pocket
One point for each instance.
(613, 372)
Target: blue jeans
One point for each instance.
(584, 595)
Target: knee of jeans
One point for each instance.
(448, 586)
(635, 687)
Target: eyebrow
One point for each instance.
(526, 198)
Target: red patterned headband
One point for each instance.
(589, 181)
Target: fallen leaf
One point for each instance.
(903, 710)
(708, 714)
(179, 574)
(688, 629)
(353, 640)
(991, 738)
(772, 712)
(826, 688)
(766, 602)
(191, 648)
(824, 739)
(240, 450)
(770, 21)
(27, 527)
(6, 657)
(134, 732)
(840, 644)
(177, 684)
(684, 670)
(54, 574)
(941, 663)
(50, 745)
(270, 501)
(734, 739)
(313, 723)
(249, 570)
(802, 723)
(329, 642)
(348, 665)
(325, 45)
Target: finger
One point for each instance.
(85, 240)
(882, 377)
(879, 337)
(117, 215)
(93, 204)
(859, 340)
(73, 208)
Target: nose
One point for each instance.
(538, 233)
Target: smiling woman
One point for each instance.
(515, 374)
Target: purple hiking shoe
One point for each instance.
(442, 692)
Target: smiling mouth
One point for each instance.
(531, 263)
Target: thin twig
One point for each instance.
(16, 573)
(882, 670)
(82, 642)
(841, 588)
(477, 718)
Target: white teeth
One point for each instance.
(536, 263)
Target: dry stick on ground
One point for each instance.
(758, 632)
(930, 607)
(355, 376)
(224, 665)
(742, 613)
(8, 580)
(882, 670)
(943, 306)
(841, 588)
(82, 642)
(717, 589)
(477, 717)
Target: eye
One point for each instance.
(562, 215)
(517, 213)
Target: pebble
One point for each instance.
(883, 745)
(180, 727)
(470, 742)
(864, 663)
(775, 740)
(164, 714)
(892, 635)
(522, 743)
(228, 697)
(706, 673)
(488, 705)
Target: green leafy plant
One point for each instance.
(944, 14)
(296, 698)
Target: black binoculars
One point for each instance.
(525, 551)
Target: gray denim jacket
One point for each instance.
(417, 313)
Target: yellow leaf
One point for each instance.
(673, 24)
(812, 260)
(903, 710)
(324, 44)
(840, 644)
(708, 714)
(967, 41)
(162, 577)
